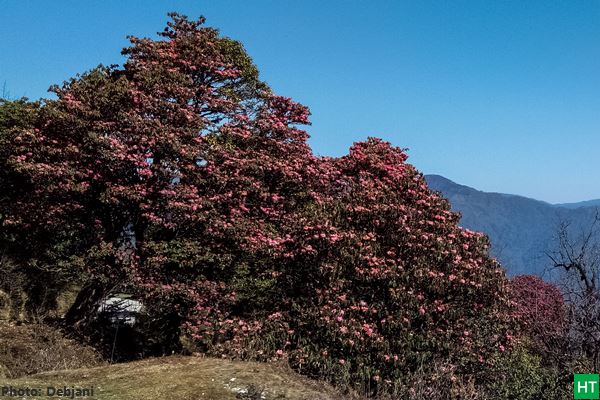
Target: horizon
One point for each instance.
(501, 97)
(509, 194)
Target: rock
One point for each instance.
(121, 309)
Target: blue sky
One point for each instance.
(499, 95)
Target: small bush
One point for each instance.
(441, 383)
(29, 349)
(522, 375)
(32, 293)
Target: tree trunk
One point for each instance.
(85, 307)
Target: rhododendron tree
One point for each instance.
(15, 116)
(364, 281)
(541, 311)
(222, 258)
(385, 280)
(181, 177)
(120, 145)
(30, 258)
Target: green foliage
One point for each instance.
(521, 375)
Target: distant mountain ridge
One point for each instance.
(520, 229)
(587, 203)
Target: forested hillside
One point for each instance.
(522, 230)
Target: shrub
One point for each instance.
(29, 349)
(440, 382)
(521, 374)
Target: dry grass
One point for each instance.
(33, 348)
(183, 378)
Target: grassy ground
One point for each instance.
(33, 348)
(183, 378)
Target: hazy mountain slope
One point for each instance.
(521, 229)
(587, 203)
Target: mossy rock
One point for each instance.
(65, 299)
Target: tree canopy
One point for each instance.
(181, 177)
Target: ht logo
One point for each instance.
(585, 386)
